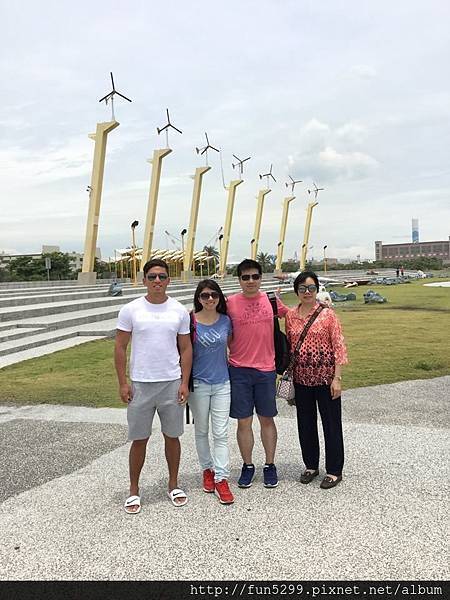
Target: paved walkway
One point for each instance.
(64, 478)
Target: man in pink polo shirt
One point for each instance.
(252, 370)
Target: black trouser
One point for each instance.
(307, 398)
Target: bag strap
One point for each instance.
(273, 302)
(193, 326)
(303, 335)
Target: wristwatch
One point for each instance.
(338, 377)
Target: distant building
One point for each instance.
(76, 258)
(50, 249)
(5, 259)
(396, 253)
(415, 231)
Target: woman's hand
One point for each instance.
(336, 388)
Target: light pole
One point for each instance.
(251, 248)
(325, 259)
(134, 224)
(220, 254)
(183, 233)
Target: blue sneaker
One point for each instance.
(247, 474)
(270, 476)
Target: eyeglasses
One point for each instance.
(208, 295)
(311, 288)
(254, 276)
(160, 276)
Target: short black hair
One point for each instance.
(212, 285)
(155, 262)
(248, 264)
(303, 277)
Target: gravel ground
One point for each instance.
(64, 483)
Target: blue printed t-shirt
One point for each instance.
(210, 351)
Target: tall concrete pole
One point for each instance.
(259, 211)
(156, 163)
(304, 249)
(280, 248)
(87, 275)
(225, 243)
(187, 273)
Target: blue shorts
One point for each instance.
(252, 389)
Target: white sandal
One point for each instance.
(132, 501)
(177, 493)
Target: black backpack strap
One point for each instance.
(273, 302)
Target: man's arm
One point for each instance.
(185, 349)
(120, 362)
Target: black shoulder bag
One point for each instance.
(279, 338)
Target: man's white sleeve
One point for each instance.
(124, 321)
(185, 323)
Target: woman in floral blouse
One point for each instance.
(317, 379)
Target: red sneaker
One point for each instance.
(208, 481)
(223, 492)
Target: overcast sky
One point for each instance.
(353, 95)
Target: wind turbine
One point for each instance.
(111, 95)
(240, 164)
(167, 127)
(292, 183)
(267, 175)
(316, 191)
(205, 149)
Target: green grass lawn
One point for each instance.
(407, 338)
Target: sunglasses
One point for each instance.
(208, 295)
(155, 276)
(254, 276)
(311, 288)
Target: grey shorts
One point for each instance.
(149, 397)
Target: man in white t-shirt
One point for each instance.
(160, 365)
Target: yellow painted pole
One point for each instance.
(259, 211)
(192, 230)
(225, 242)
(304, 250)
(280, 248)
(87, 275)
(156, 163)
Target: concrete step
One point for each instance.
(15, 333)
(54, 304)
(50, 308)
(26, 300)
(94, 321)
(37, 339)
(16, 357)
(47, 290)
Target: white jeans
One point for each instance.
(214, 400)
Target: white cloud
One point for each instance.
(346, 165)
(352, 133)
(363, 71)
(328, 154)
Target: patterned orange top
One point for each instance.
(322, 349)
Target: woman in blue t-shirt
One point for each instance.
(211, 328)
